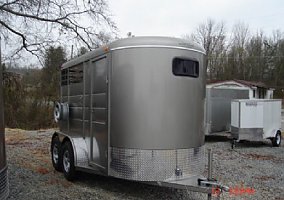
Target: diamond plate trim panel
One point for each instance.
(81, 152)
(155, 165)
(4, 185)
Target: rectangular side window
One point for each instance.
(64, 77)
(76, 74)
(185, 67)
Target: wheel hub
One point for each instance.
(55, 155)
(66, 161)
(278, 139)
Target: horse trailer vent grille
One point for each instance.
(4, 187)
(156, 165)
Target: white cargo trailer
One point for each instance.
(256, 120)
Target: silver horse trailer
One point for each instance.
(134, 110)
(4, 189)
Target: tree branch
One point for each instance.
(42, 18)
(7, 4)
(15, 32)
(36, 21)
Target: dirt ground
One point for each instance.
(251, 165)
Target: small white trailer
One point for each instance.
(256, 120)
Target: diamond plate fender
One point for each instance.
(81, 156)
(80, 152)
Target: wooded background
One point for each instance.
(239, 53)
(42, 28)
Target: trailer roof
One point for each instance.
(137, 42)
(256, 100)
(250, 84)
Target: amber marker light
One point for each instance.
(106, 49)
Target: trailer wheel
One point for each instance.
(68, 161)
(276, 141)
(233, 144)
(56, 153)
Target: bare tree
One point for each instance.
(256, 59)
(211, 36)
(276, 48)
(32, 25)
(240, 38)
(240, 34)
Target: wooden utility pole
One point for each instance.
(4, 189)
(2, 129)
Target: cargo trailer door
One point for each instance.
(99, 113)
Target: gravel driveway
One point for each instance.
(255, 165)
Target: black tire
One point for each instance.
(233, 144)
(56, 154)
(68, 161)
(276, 141)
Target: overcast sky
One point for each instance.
(179, 17)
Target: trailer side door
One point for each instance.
(99, 113)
